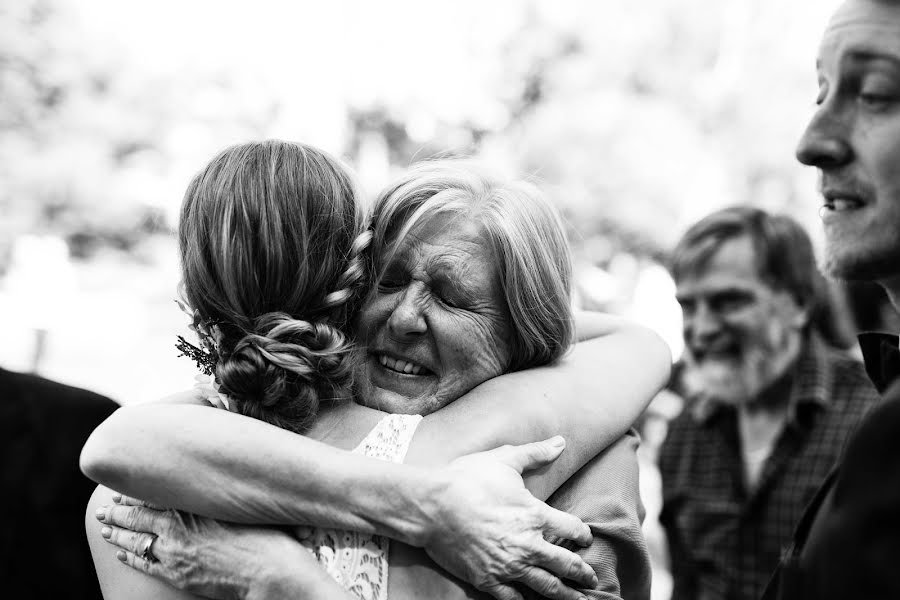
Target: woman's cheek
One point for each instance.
(374, 312)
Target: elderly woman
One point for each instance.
(473, 280)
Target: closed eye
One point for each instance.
(875, 101)
(392, 284)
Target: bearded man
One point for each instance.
(770, 401)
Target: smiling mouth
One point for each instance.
(719, 353)
(404, 367)
(842, 204)
(841, 199)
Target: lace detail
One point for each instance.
(359, 561)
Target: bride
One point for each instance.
(274, 262)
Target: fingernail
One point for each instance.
(106, 532)
(101, 513)
(558, 441)
(121, 555)
(117, 498)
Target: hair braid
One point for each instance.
(353, 277)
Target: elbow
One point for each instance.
(645, 350)
(101, 457)
(659, 357)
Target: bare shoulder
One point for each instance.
(117, 580)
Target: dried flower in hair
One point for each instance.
(204, 359)
(206, 356)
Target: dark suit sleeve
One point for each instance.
(853, 547)
(605, 495)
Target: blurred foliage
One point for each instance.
(637, 119)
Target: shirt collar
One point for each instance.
(882, 357)
(811, 384)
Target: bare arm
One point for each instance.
(250, 563)
(590, 397)
(202, 555)
(139, 452)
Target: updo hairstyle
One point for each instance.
(271, 238)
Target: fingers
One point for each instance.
(533, 455)
(129, 501)
(135, 518)
(548, 585)
(136, 562)
(565, 526)
(566, 565)
(131, 541)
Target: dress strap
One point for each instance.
(390, 438)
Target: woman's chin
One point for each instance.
(393, 392)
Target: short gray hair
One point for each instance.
(526, 233)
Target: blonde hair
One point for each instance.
(271, 238)
(526, 234)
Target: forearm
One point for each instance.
(591, 397)
(235, 473)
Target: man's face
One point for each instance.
(740, 334)
(437, 325)
(854, 140)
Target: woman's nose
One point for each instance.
(824, 144)
(407, 320)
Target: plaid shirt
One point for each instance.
(725, 542)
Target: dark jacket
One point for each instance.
(847, 544)
(43, 549)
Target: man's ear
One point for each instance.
(801, 319)
(799, 312)
(802, 314)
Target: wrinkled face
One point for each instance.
(740, 335)
(437, 325)
(854, 140)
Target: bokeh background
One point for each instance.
(636, 117)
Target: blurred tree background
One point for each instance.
(637, 119)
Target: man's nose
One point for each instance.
(703, 324)
(407, 319)
(824, 144)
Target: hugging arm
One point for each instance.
(590, 397)
(502, 541)
(230, 558)
(273, 476)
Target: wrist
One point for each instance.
(424, 507)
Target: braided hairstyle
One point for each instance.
(272, 245)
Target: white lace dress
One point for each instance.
(359, 561)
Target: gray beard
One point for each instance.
(723, 383)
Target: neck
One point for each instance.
(761, 420)
(774, 398)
